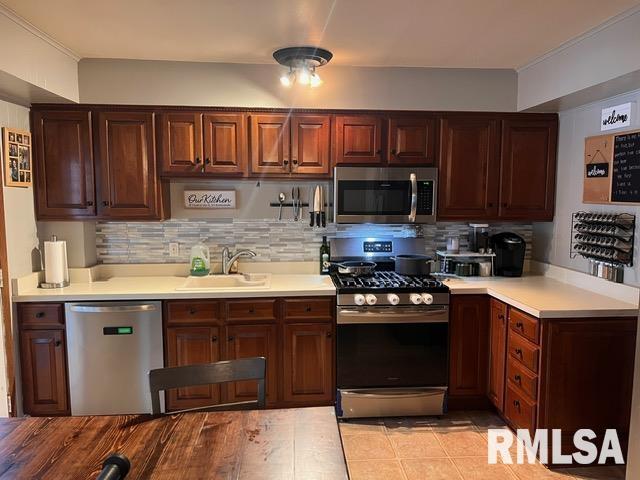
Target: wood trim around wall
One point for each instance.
(6, 312)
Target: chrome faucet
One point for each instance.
(228, 260)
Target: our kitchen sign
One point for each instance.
(210, 199)
(616, 117)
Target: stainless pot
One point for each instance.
(356, 268)
(413, 264)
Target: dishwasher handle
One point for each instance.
(147, 307)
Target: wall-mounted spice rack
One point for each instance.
(606, 239)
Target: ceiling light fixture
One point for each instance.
(302, 63)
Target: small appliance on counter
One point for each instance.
(509, 249)
(478, 237)
(56, 270)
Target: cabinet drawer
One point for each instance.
(520, 411)
(41, 315)
(188, 312)
(251, 310)
(525, 325)
(303, 308)
(523, 351)
(522, 378)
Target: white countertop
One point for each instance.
(545, 297)
(554, 294)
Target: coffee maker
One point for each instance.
(509, 249)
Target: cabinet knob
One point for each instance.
(518, 351)
(516, 403)
(214, 338)
(105, 203)
(252, 310)
(393, 151)
(329, 334)
(517, 378)
(197, 160)
(58, 343)
(500, 316)
(192, 311)
(294, 161)
(207, 161)
(519, 325)
(231, 337)
(39, 314)
(308, 308)
(285, 162)
(90, 203)
(490, 204)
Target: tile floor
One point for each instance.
(453, 447)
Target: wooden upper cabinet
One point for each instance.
(128, 181)
(358, 140)
(225, 144)
(497, 353)
(44, 372)
(412, 141)
(468, 168)
(63, 164)
(310, 145)
(527, 183)
(270, 144)
(181, 142)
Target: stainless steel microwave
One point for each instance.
(385, 195)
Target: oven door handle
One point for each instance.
(414, 197)
(439, 315)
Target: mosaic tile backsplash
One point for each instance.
(273, 241)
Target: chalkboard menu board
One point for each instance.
(625, 183)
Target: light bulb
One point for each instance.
(315, 80)
(304, 77)
(287, 79)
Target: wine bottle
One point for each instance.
(324, 256)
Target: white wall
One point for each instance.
(242, 85)
(33, 58)
(20, 227)
(551, 241)
(603, 54)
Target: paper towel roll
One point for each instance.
(55, 261)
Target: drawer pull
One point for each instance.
(500, 316)
(39, 314)
(519, 325)
(231, 337)
(518, 352)
(58, 343)
(516, 403)
(308, 309)
(517, 378)
(329, 334)
(192, 311)
(252, 310)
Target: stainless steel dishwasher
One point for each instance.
(111, 348)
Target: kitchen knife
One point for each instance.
(323, 214)
(317, 205)
(311, 205)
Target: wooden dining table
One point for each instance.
(296, 443)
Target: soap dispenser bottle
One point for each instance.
(200, 262)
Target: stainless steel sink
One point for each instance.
(227, 282)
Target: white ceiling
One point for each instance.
(416, 33)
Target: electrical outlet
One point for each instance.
(174, 249)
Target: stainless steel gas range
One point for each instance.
(392, 334)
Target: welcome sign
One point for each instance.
(616, 117)
(210, 199)
(598, 170)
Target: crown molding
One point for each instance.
(589, 33)
(13, 16)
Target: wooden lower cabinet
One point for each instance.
(469, 342)
(308, 363)
(295, 335)
(497, 353)
(190, 346)
(253, 341)
(43, 359)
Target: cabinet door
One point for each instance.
(270, 137)
(191, 346)
(64, 168)
(44, 372)
(412, 141)
(253, 341)
(128, 184)
(310, 146)
(527, 183)
(225, 144)
(358, 140)
(468, 336)
(308, 363)
(497, 353)
(469, 168)
(181, 142)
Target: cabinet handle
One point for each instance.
(252, 310)
(517, 378)
(393, 151)
(516, 403)
(197, 160)
(207, 161)
(105, 203)
(308, 309)
(329, 334)
(231, 337)
(214, 339)
(90, 203)
(285, 162)
(518, 324)
(500, 316)
(39, 314)
(58, 343)
(295, 161)
(192, 311)
(518, 352)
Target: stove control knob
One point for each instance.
(359, 299)
(393, 299)
(371, 299)
(415, 298)
(427, 298)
